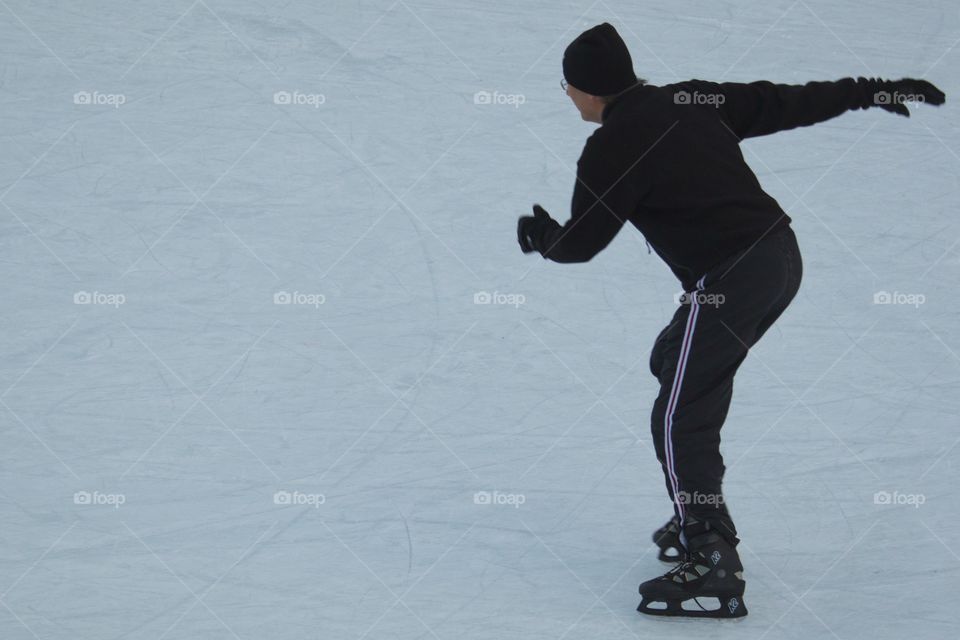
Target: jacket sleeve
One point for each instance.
(604, 197)
(761, 108)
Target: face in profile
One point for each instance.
(590, 107)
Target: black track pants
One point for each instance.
(695, 358)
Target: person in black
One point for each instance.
(667, 159)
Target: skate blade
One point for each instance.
(729, 608)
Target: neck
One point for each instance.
(618, 98)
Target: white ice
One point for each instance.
(184, 404)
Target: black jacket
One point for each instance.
(668, 160)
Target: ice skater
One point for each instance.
(667, 159)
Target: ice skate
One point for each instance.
(708, 583)
(667, 538)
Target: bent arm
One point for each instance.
(604, 197)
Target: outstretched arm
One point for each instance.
(761, 108)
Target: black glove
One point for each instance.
(891, 95)
(531, 229)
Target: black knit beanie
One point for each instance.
(598, 62)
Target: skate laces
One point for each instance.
(688, 570)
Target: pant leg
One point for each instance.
(698, 354)
(656, 353)
(794, 274)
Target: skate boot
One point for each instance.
(708, 583)
(667, 538)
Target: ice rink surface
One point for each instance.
(186, 456)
